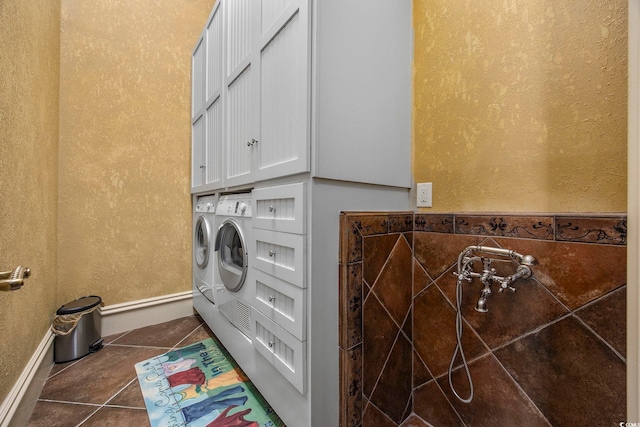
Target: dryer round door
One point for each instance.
(232, 255)
(202, 237)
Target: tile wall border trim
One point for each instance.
(610, 229)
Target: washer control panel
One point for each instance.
(206, 204)
(234, 205)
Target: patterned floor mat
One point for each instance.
(201, 386)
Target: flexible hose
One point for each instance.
(459, 325)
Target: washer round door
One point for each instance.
(232, 255)
(202, 237)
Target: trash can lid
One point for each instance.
(81, 304)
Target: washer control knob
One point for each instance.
(242, 207)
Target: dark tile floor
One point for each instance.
(102, 389)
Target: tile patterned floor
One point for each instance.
(102, 389)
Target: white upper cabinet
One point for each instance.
(256, 120)
(198, 161)
(239, 87)
(283, 147)
(206, 120)
(214, 116)
(283, 87)
(363, 52)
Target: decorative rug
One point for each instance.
(201, 386)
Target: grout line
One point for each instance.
(200, 326)
(522, 390)
(122, 334)
(70, 364)
(119, 391)
(430, 280)
(546, 288)
(533, 331)
(138, 408)
(87, 419)
(428, 424)
(384, 414)
(599, 337)
(395, 245)
(140, 346)
(506, 344)
(605, 295)
(384, 365)
(451, 405)
(68, 402)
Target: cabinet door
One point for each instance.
(206, 122)
(283, 63)
(239, 106)
(197, 120)
(214, 122)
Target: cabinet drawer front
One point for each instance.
(281, 349)
(281, 255)
(280, 208)
(281, 302)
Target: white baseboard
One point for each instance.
(18, 405)
(117, 318)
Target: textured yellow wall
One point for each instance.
(520, 105)
(29, 77)
(124, 204)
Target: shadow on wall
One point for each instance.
(538, 356)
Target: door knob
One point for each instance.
(14, 279)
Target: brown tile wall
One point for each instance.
(551, 353)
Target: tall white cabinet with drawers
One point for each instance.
(307, 103)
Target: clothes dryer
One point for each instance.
(203, 254)
(233, 276)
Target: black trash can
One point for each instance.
(77, 329)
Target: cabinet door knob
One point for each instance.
(272, 253)
(252, 142)
(272, 298)
(271, 209)
(271, 344)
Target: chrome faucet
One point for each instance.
(488, 275)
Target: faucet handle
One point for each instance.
(504, 285)
(465, 275)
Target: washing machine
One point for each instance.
(204, 209)
(234, 284)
